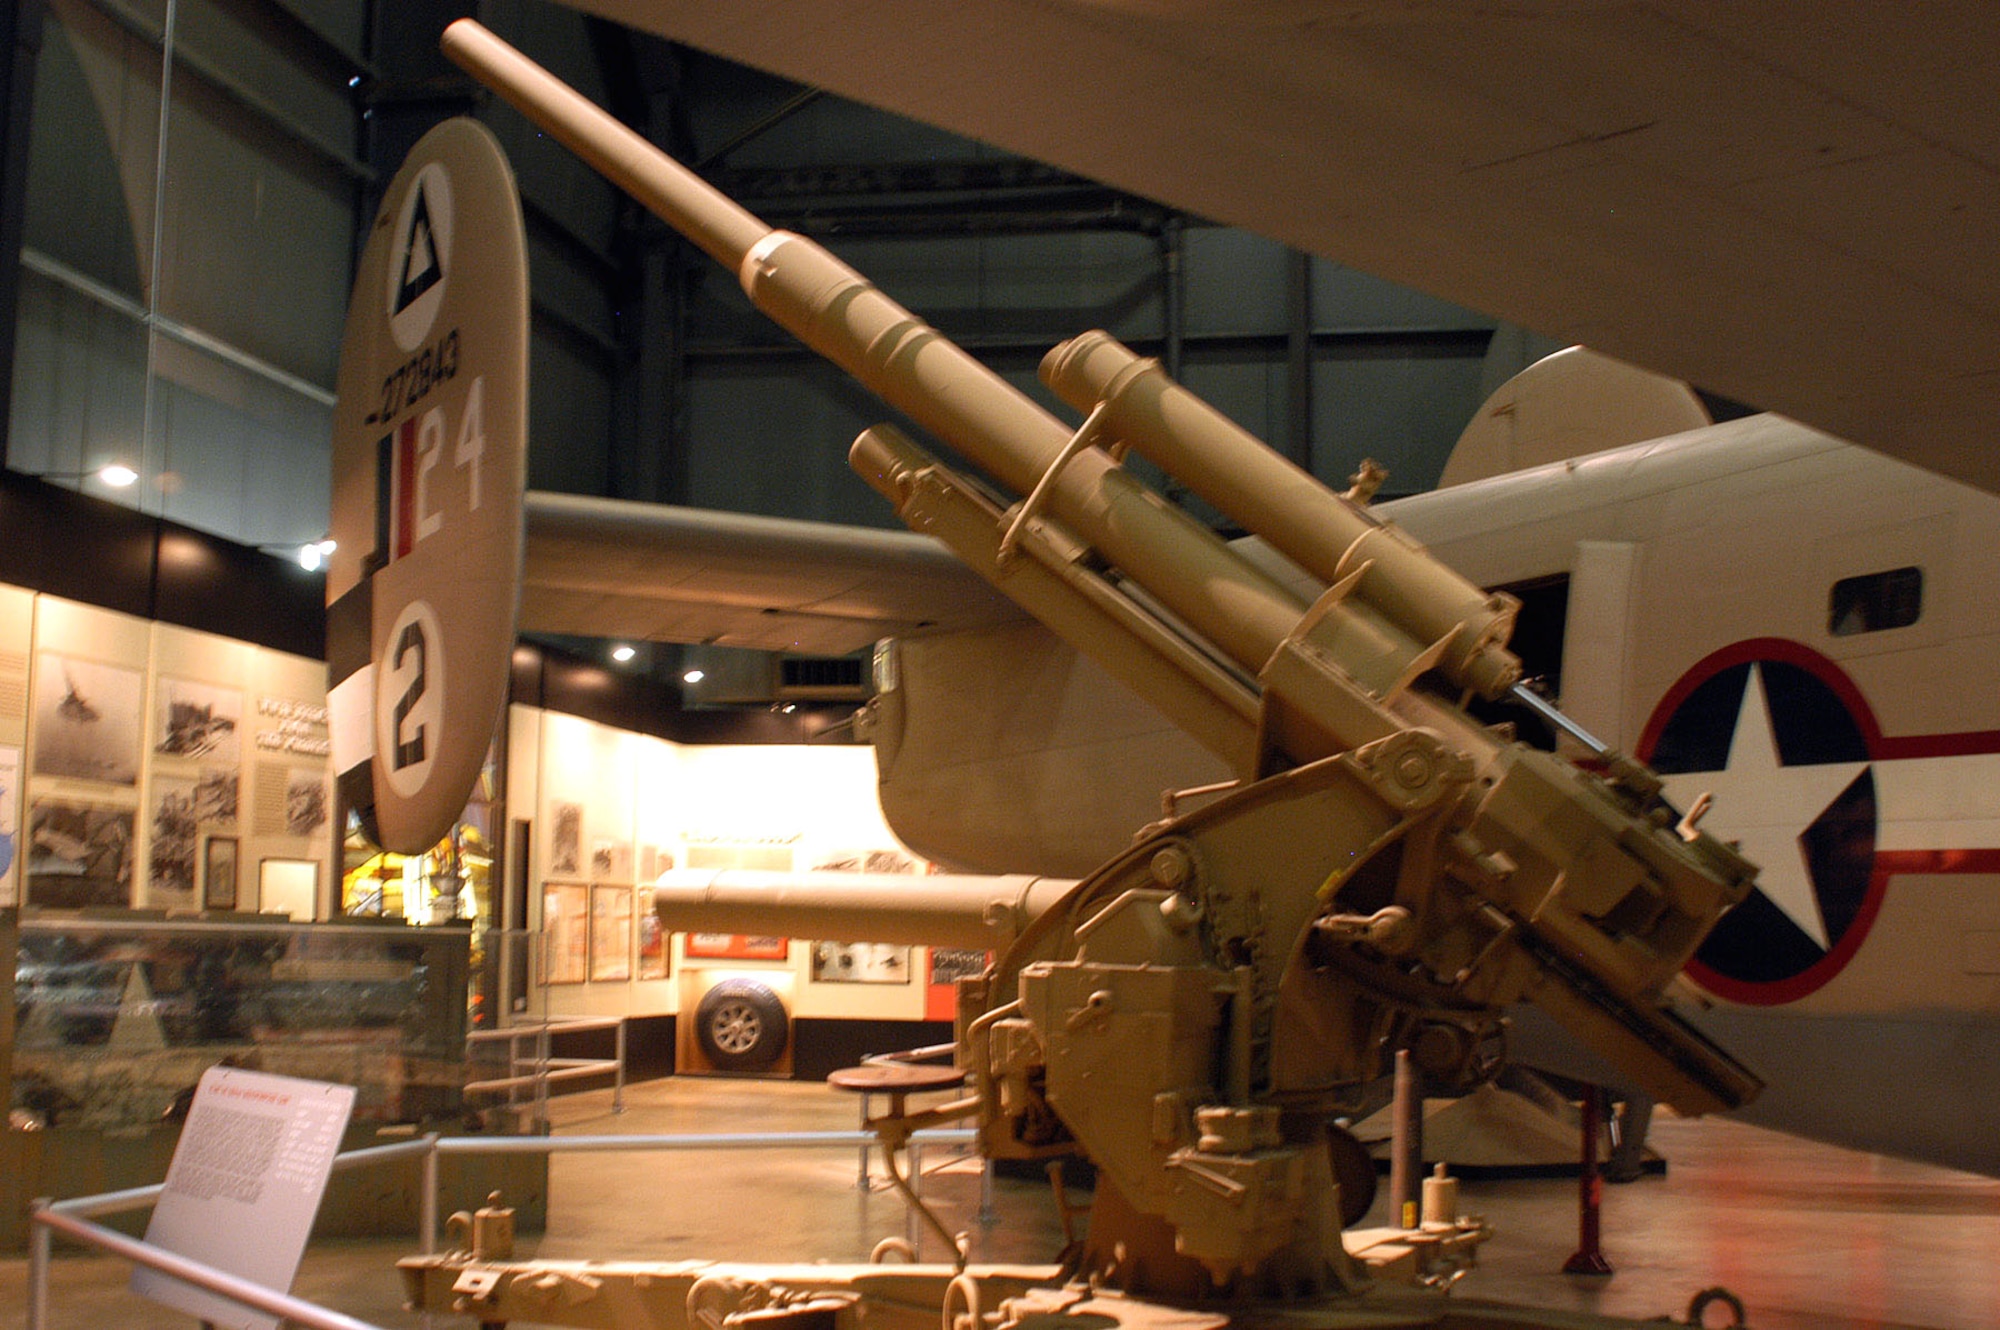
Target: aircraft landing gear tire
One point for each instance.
(741, 1026)
(1730, 1303)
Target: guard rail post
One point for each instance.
(427, 1205)
(618, 1082)
(543, 1043)
(39, 1247)
(862, 1182)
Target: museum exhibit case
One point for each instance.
(116, 1019)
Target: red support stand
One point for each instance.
(1589, 1258)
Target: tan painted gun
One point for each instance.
(1387, 873)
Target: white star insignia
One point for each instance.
(1767, 806)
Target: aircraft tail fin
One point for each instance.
(1566, 405)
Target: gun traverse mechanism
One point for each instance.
(1386, 872)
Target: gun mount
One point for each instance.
(1385, 873)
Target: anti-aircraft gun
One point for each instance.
(1385, 872)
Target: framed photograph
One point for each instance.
(219, 873)
(610, 934)
(565, 932)
(86, 720)
(652, 938)
(80, 854)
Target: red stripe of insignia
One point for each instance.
(1967, 744)
(1881, 747)
(1937, 861)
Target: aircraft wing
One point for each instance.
(611, 568)
(1794, 203)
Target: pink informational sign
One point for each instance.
(245, 1183)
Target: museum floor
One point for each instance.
(1807, 1236)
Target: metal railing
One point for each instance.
(72, 1218)
(537, 1069)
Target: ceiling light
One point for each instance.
(693, 676)
(118, 475)
(622, 653)
(312, 554)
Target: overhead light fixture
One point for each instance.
(115, 474)
(622, 653)
(312, 554)
(693, 676)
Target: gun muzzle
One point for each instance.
(1317, 529)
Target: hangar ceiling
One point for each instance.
(1795, 204)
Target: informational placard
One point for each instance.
(245, 1183)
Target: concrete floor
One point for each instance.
(1806, 1235)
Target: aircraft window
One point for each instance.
(1875, 602)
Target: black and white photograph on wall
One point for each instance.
(305, 803)
(195, 720)
(610, 860)
(216, 793)
(79, 855)
(866, 861)
(610, 934)
(86, 720)
(566, 840)
(860, 963)
(218, 874)
(176, 830)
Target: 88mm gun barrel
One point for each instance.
(1230, 604)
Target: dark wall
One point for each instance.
(20, 44)
(649, 1047)
(822, 1047)
(547, 677)
(84, 549)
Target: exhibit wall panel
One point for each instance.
(162, 765)
(17, 627)
(613, 809)
(584, 821)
